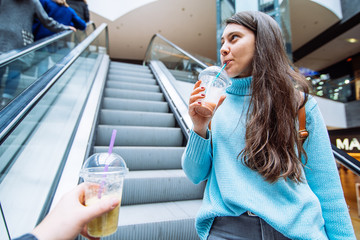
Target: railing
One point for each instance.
(183, 65)
(11, 56)
(40, 122)
(21, 67)
(21, 105)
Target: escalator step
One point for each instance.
(139, 136)
(135, 105)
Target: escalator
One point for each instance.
(75, 105)
(159, 202)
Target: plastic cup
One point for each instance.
(103, 174)
(215, 85)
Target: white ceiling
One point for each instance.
(191, 24)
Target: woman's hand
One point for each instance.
(200, 122)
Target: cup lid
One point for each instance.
(213, 71)
(113, 161)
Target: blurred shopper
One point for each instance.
(16, 19)
(262, 182)
(69, 217)
(81, 8)
(61, 12)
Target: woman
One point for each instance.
(262, 182)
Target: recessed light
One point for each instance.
(352, 40)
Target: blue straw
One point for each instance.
(219, 72)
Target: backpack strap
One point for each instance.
(303, 133)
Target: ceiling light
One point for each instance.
(352, 40)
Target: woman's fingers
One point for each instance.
(197, 84)
(196, 98)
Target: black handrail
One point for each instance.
(346, 160)
(16, 110)
(174, 46)
(10, 56)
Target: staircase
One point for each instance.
(158, 202)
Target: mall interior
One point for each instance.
(132, 70)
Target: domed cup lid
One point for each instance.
(210, 72)
(105, 162)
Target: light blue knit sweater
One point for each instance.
(312, 210)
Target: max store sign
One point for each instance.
(347, 140)
(348, 144)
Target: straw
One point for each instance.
(220, 72)
(112, 141)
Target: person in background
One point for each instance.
(69, 217)
(262, 181)
(61, 12)
(16, 19)
(81, 8)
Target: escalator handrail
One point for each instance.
(346, 160)
(16, 110)
(8, 57)
(174, 46)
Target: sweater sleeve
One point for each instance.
(323, 177)
(196, 159)
(27, 236)
(77, 21)
(47, 21)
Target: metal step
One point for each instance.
(142, 80)
(132, 118)
(128, 66)
(131, 94)
(135, 105)
(132, 86)
(159, 186)
(148, 158)
(139, 136)
(129, 72)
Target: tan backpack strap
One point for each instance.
(303, 133)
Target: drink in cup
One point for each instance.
(103, 174)
(215, 81)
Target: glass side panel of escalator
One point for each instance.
(28, 176)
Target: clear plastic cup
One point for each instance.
(103, 174)
(214, 88)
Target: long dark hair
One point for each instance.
(273, 147)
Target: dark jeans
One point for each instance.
(243, 227)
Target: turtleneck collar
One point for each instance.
(240, 86)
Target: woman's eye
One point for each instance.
(233, 37)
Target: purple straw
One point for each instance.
(112, 141)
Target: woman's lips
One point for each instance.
(227, 62)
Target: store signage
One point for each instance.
(347, 140)
(348, 144)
